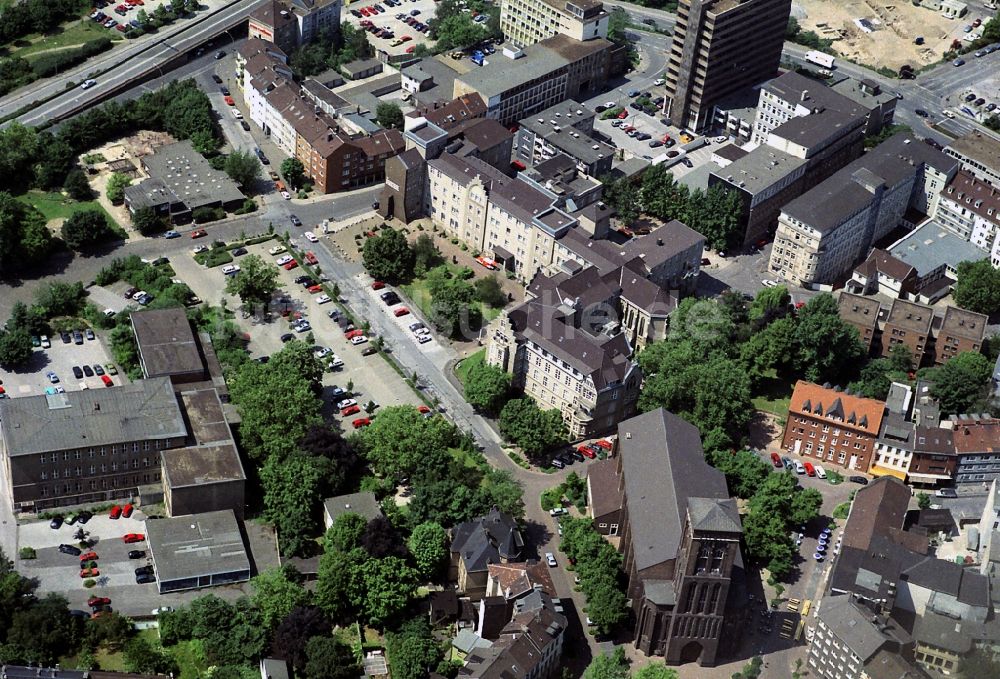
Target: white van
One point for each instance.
(820, 472)
(799, 468)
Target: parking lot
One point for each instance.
(60, 359)
(404, 37)
(372, 378)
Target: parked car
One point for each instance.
(136, 554)
(130, 538)
(858, 479)
(550, 559)
(89, 556)
(89, 573)
(145, 578)
(946, 492)
(820, 472)
(127, 510)
(98, 601)
(69, 549)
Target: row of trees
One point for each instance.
(20, 19)
(714, 213)
(55, 299)
(453, 26)
(598, 566)
(615, 665)
(331, 51)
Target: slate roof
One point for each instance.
(145, 410)
(486, 540)
(664, 466)
(714, 515)
(603, 481)
(878, 507)
(968, 587)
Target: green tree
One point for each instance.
(28, 319)
(15, 349)
(387, 257)
(960, 382)
(389, 115)
(289, 484)
(778, 505)
(656, 670)
(487, 387)
(770, 303)
(606, 605)
(978, 287)
(428, 544)
(530, 428)
(454, 311)
(900, 358)
(923, 500)
(77, 186)
(874, 380)
(276, 409)
(242, 167)
(275, 596)
(293, 171)
(338, 581)
(345, 532)
(981, 661)
(827, 346)
(388, 586)
(744, 470)
(24, 237)
(86, 228)
(413, 653)
(43, 631)
(612, 665)
(115, 189)
(330, 659)
(490, 292)
(456, 30)
(426, 255)
(146, 221)
(623, 195)
(501, 490)
(142, 17)
(297, 358)
(772, 348)
(401, 442)
(142, 657)
(60, 299)
(254, 283)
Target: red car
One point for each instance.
(89, 573)
(116, 511)
(586, 452)
(89, 556)
(129, 538)
(378, 285)
(290, 265)
(351, 334)
(607, 445)
(401, 311)
(350, 410)
(411, 49)
(108, 382)
(311, 258)
(230, 101)
(98, 601)
(198, 233)
(361, 422)
(315, 288)
(776, 460)
(423, 410)
(623, 115)
(127, 510)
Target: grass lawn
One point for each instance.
(466, 459)
(467, 364)
(420, 296)
(54, 205)
(190, 659)
(774, 396)
(72, 34)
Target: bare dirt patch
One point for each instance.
(896, 23)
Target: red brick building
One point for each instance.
(959, 331)
(833, 427)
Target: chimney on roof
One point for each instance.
(805, 95)
(97, 407)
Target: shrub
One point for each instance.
(208, 214)
(27, 553)
(214, 257)
(89, 582)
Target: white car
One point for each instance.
(322, 351)
(87, 84)
(820, 472)
(230, 269)
(659, 81)
(276, 250)
(283, 260)
(45, 342)
(346, 403)
(550, 559)
(237, 114)
(311, 237)
(137, 296)
(286, 195)
(336, 361)
(323, 299)
(162, 609)
(422, 339)
(359, 339)
(768, 283)
(200, 248)
(611, 104)
(721, 139)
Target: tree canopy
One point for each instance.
(243, 168)
(960, 382)
(254, 283)
(533, 430)
(387, 256)
(978, 287)
(389, 115)
(487, 387)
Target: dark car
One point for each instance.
(390, 298)
(970, 97)
(369, 350)
(84, 516)
(88, 371)
(77, 372)
(145, 579)
(143, 570)
(65, 337)
(90, 335)
(245, 125)
(70, 549)
(98, 370)
(136, 554)
(220, 54)
(224, 90)
(922, 113)
(933, 143)
(307, 282)
(859, 479)
(56, 522)
(566, 458)
(577, 455)
(239, 252)
(77, 337)
(295, 220)
(217, 79)
(299, 280)
(287, 337)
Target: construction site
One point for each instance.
(884, 34)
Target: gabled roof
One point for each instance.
(486, 540)
(714, 515)
(881, 262)
(854, 411)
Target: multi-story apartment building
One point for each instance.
(861, 313)
(560, 350)
(292, 23)
(979, 154)
(564, 128)
(525, 22)
(519, 82)
(880, 105)
(850, 643)
(958, 330)
(832, 426)
(87, 446)
(908, 324)
(976, 444)
(720, 47)
(827, 230)
(915, 454)
(257, 57)
(680, 540)
(971, 209)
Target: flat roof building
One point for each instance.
(364, 504)
(720, 47)
(525, 22)
(979, 154)
(203, 550)
(167, 346)
(960, 330)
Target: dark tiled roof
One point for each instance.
(877, 507)
(881, 262)
(485, 540)
(603, 482)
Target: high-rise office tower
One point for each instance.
(720, 47)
